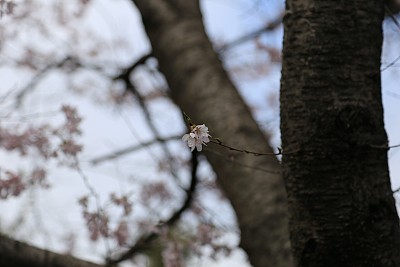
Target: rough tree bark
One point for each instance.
(342, 212)
(200, 87)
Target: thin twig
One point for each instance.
(384, 147)
(32, 84)
(269, 27)
(389, 147)
(96, 197)
(125, 73)
(392, 17)
(390, 64)
(231, 160)
(125, 77)
(130, 149)
(73, 62)
(280, 152)
(390, 14)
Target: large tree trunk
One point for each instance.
(342, 212)
(202, 89)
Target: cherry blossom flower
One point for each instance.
(72, 120)
(69, 147)
(172, 255)
(154, 190)
(97, 224)
(121, 234)
(11, 185)
(197, 137)
(123, 202)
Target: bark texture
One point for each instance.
(17, 254)
(342, 212)
(200, 87)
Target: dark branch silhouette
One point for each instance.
(18, 254)
(145, 242)
(267, 28)
(130, 149)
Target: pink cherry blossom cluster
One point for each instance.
(38, 139)
(32, 138)
(11, 185)
(172, 255)
(121, 234)
(156, 190)
(39, 142)
(6, 7)
(69, 131)
(175, 248)
(122, 201)
(97, 224)
(197, 137)
(98, 220)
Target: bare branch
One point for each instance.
(18, 254)
(125, 77)
(145, 242)
(69, 62)
(389, 12)
(395, 21)
(384, 147)
(230, 159)
(35, 80)
(396, 191)
(390, 64)
(280, 152)
(267, 28)
(130, 149)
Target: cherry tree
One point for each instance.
(93, 120)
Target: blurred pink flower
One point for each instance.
(197, 137)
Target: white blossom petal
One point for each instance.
(199, 147)
(185, 137)
(197, 137)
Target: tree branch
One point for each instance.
(129, 149)
(35, 80)
(69, 62)
(18, 254)
(144, 242)
(125, 74)
(267, 28)
(125, 77)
